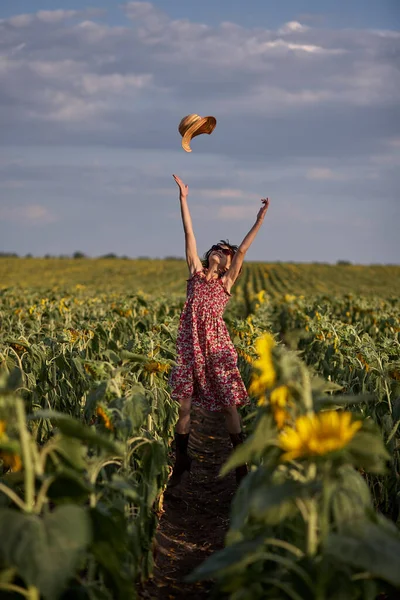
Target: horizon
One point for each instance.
(111, 256)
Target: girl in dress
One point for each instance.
(206, 373)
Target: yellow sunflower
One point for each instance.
(102, 413)
(266, 376)
(317, 434)
(278, 400)
(156, 367)
(10, 459)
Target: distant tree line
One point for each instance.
(111, 255)
(79, 255)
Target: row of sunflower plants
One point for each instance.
(302, 522)
(334, 343)
(376, 316)
(85, 425)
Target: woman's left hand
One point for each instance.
(263, 209)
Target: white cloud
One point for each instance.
(55, 16)
(386, 160)
(67, 108)
(321, 173)
(65, 70)
(114, 83)
(284, 45)
(16, 49)
(222, 193)
(290, 90)
(292, 26)
(394, 142)
(20, 20)
(235, 213)
(33, 214)
(50, 16)
(341, 174)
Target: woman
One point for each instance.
(206, 374)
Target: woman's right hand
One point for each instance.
(184, 189)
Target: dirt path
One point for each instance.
(196, 515)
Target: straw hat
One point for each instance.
(193, 125)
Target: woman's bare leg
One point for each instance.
(183, 424)
(232, 419)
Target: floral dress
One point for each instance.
(206, 369)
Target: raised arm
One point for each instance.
(192, 258)
(237, 261)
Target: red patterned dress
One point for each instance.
(206, 369)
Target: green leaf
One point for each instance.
(127, 356)
(14, 380)
(74, 429)
(79, 367)
(136, 408)
(318, 384)
(350, 498)
(68, 488)
(233, 557)
(263, 436)
(110, 549)
(269, 496)
(45, 551)
(112, 356)
(120, 484)
(396, 409)
(340, 401)
(373, 549)
(95, 396)
(368, 450)
(242, 498)
(72, 450)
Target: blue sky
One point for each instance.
(252, 13)
(306, 96)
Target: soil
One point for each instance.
(196, 514)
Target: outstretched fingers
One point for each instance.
(184, 188)
(265, 202)
(263, 209)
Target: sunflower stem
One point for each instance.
(13, 496)
(312, 538)
(11, 587)
(326, 498)
(307, 393)
(33, 593)
(312, 525)
(26, 457)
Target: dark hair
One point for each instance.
(205, 260)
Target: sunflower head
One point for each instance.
(105, 417)
(317, 434)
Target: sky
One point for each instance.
(306, 94)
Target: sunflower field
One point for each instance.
(86, 425)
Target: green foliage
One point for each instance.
(304, 526)
(88, 421)
(93, 379)
(45, 550)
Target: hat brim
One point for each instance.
(205, 125)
